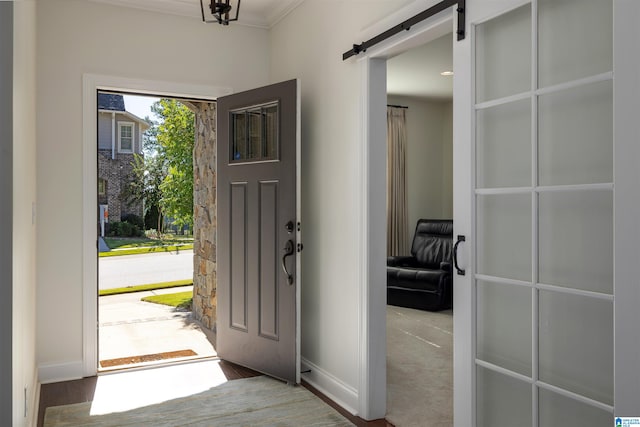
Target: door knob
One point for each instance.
(288, 251)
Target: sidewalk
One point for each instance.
(130, 327)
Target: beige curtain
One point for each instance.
(397, 230)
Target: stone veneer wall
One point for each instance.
(204, 214)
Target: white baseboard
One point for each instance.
(341, 393)
(60, 372)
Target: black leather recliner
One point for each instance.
(423, 280)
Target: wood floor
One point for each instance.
(78, 391)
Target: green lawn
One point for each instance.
(145, 245)
(181, 300)
(145, 250)
(149, 287)
(145, 242)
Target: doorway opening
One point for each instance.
(149, 157)
(420, 186)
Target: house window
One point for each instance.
(125, 137)
(102, 187)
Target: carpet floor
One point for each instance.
(258, 401)
(419, 367)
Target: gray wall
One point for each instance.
(6, 211)
(23, 261)
(429, 159)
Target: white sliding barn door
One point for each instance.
(540, 203)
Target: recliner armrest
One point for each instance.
(401, 261)
(445, 266)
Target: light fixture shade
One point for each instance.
(221, 12)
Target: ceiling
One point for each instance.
(256, 13)
(416, 72)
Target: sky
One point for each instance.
(139, 105)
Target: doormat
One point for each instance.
(256, 402)
(110, 363)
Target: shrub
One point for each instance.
(113, 228)
(151, 218)
(134, 220)
(124, 229)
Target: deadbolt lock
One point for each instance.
(289, 227)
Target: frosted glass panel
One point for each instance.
(503, 55)
(504, 326)
(501, 398)
(504, 236)
(576, 239)
(575, 39)
(503, 153)
(559, 411)
(576, 344)
(576, 135)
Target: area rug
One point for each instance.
(257, 401)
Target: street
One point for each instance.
(130, 270)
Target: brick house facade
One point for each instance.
(119, 138)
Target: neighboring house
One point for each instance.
(119, 139)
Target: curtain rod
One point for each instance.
(397, 106)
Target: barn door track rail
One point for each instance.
(406, 26)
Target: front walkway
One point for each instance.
(130, 328)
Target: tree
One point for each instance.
(164, 175)
(149, 172)
(175, 137)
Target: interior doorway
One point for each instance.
(419, 341)
(147, 152)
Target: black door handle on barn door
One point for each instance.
(288, 251)
(460, 271)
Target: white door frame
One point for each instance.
(91, 83)
(372, 233)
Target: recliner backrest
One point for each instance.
(433, 242)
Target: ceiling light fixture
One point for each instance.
(220, 11)
(446, 73)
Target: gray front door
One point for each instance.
(258, 230)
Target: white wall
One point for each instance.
(308, 44)
(429, 174)
(24, 196)
(77, 37)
